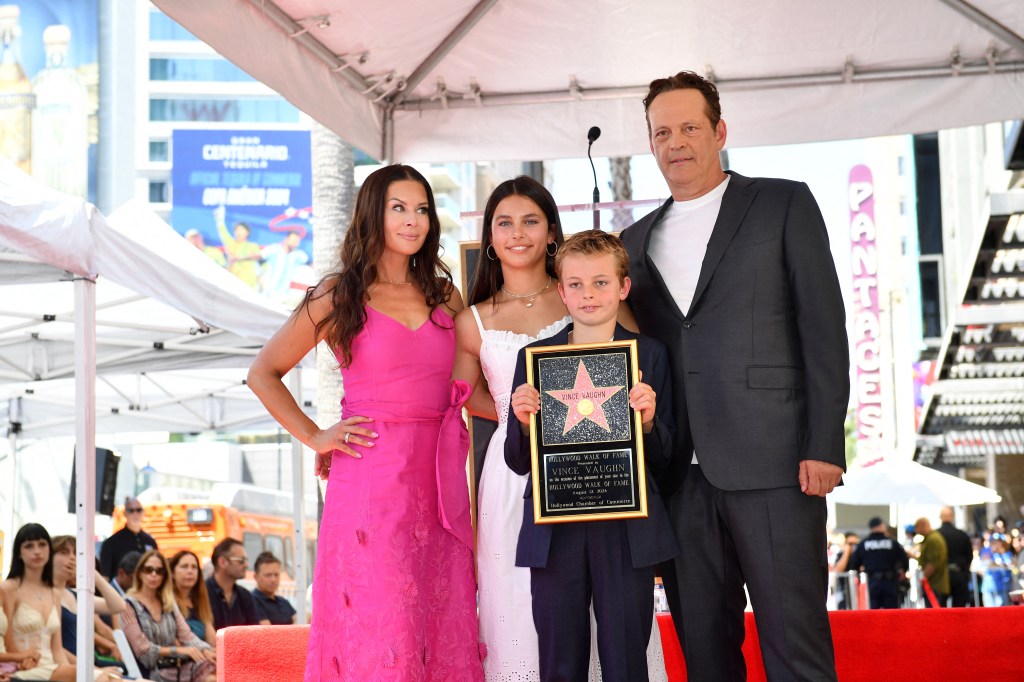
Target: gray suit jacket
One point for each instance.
(760, 365)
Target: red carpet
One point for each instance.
(910, 645)
(907, 645)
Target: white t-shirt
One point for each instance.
(680, 242)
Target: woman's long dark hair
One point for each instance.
(198, 594)
(488, 279)
(27, 533)
(361, 252)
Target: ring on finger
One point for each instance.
(347, 434)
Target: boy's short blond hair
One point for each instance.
(595, 243)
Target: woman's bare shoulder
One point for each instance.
(9, 591)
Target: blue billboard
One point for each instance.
(244, 197)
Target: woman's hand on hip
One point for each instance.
(343, 436)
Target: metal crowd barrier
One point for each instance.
(853, 585)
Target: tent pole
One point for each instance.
(387, 151)
(9, 486)
(299, 506)
(85, 466)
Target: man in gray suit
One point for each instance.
(734, 275)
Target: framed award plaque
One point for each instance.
(586, 443)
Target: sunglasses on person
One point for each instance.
(238, 559)
(133, 510)
(153, 570)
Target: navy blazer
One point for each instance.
(651, 540)
(761, 361)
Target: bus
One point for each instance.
(261, 518)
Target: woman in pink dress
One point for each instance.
(393, 589)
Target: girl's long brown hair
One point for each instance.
(488, 279)
(361, 252)
(198, 595)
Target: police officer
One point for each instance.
(885, 562)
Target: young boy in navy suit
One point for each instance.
(608, 563)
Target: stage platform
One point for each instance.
(908, 645)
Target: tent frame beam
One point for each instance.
(301, 35)
(146, 421)
(987, 22)
(844, 76)
(449, 42)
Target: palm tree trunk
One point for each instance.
(333, 195)
(622, 190)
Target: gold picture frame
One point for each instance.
(586, 443)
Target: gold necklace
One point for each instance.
(391, 281)
(531, 297)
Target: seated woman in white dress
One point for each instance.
(12, 662)
(32, 609)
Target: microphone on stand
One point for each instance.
(592, 135)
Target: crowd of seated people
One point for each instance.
(32, 622)
(160, 638)
(169, 614)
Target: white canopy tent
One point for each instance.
(46, 236)
(455, 80)
(159, 304)
(191, 314)
(906, 482)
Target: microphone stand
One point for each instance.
(597, 192)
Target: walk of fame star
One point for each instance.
(584, 400)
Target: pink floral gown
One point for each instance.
(394, 593)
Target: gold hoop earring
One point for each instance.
(491, 253)
(553, 252)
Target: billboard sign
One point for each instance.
(245, 198)
(867, 328)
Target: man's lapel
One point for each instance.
(735, 203)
